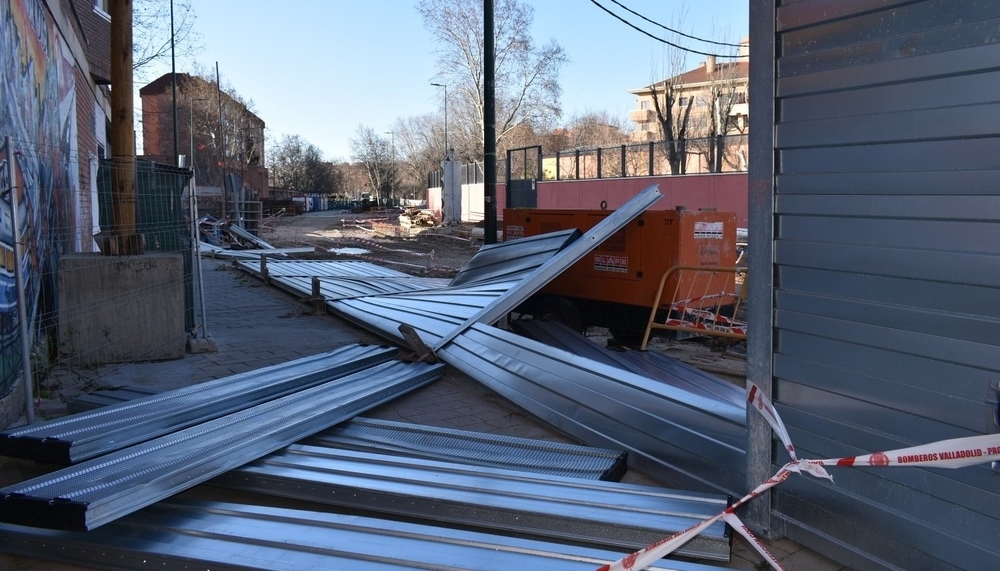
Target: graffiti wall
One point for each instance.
(37, 111)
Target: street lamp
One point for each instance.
(445, 86)
(392, 180)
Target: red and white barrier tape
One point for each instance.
(952, 453)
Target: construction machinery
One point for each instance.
(681, 264)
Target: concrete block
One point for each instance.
(121, 309)
(201, 345)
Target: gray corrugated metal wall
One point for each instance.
(876, 202)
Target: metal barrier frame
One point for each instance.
(698, 325)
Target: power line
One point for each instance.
(671, 44)
(678, 32)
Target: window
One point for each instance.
(644, 105)
(700, 101)
(101, 8)
(684, 101)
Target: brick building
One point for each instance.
(234, 145)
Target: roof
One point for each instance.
(739, 69)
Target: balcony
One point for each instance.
(641, 116)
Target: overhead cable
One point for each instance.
(669, 43)
(678, 32)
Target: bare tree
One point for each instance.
(298, 165)
(376, 154)
(226, 143)
(526, 77)
(596, 129)
(151, 33)
(672, 115)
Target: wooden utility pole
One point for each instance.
(125, 241)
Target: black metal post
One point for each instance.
(489, 131)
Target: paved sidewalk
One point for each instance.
(254, 325)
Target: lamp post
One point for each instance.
(445, 86)
(392, 180)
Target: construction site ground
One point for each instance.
(255, 325)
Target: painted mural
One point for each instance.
(38, 112)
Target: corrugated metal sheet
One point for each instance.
(83, 436)
(95, 492)
(474, 448)
(348, 288)
(652, 364)
(323, 269)
(506, 261)
(179, 536)
(886, 265)
(593, 513)
(688, 440)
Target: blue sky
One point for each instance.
(320, 68)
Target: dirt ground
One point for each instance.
(379, 237)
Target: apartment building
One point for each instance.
(699, 104)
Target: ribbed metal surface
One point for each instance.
(559, 262)
(86, 435)
(215, 535)
(478, 448)
(321, 269)
(686, 439)
(347, 288)
(594, 513)
(433, 314)
(511, 260)
(885, 258)
(652, 364)
(98, 491)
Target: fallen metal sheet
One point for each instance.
(348, 288)
(474, 448)
(181, 536)
(558, 263)
(322, 269)
(434, 314)
(514, 259)
(87, 435)
(95, 492)
(652, 364)
(604, 514)
(102, 398)
(259, 242)
(217, 252)
(487, 292)
(685, 439)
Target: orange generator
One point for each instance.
(614, 286)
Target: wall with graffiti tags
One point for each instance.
(38, 101)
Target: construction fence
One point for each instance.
(63, 303)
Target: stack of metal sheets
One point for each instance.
(100, 490)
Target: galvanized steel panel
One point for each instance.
(560, 262)
(652, 364)
(594, 513)
(513, 259)
(83, 436)
(177, 536)
(885, 328)
(919, 184)
(95, 492)
(475, 448)
(322, 268)
(608, 406)
(346, 288)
